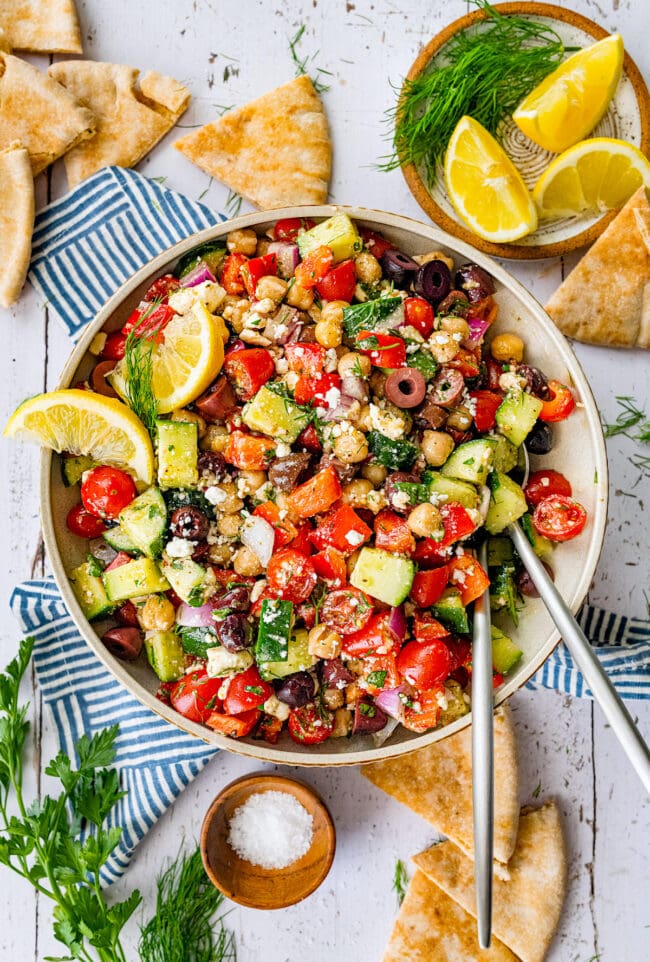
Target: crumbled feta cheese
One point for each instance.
(282, 449)
(281, 365)
(223, 690)
(437, 499)
(545, 482)
(412, 348)
(354, 537)
(264, 492)
(331, 360)
(213, 536)
(257, 589)
(411, 334)
(209, 294)
(457, 336)
(400, 500)
(273, 706)
(182, 300)
(391, 425)
(332, 398)
(222, 662)
(215, 495)
(280, 330)
(266, 306)
(441, 698)
(291, 378)
(180, 548)
(512, 382)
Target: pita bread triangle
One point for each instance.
(129, 121)
(436, 782)
(606, 297)
(48, 26)
(526, 908)
(39, 113)
(431, 927)
(16, 221)
(275, 151)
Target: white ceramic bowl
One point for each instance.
(579, 452)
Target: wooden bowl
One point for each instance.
(252, 885)
(579, 452)
(628, 118)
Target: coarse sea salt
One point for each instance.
(271, 829)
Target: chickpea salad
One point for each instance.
(303, 561)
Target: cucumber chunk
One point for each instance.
(198, 641)
(542, 546)
(507, 503)
(503, 590)
(178, 454)
(451, 489)
(516, 416)
(119, 540)
(276, 416)
(89, 591)
(165, 654)
(212, 253)
(451, 611)
(506, 455)
(337, 232)
(144, 522)
(274, 632)
(139, 577)
(500, 551)
(189, 580)
(505, 653)
(383, 575)
(73, 467)
(470, 461)
(298, 658)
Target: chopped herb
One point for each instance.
(254, 689)
(537, 790)
(368, 710)
(400, 880)
(138, 362)
(195, 597)
(95, 567)
(154, 511)
(376, 678)
(302, 66)
(629, 416)
(367, 315)
(233, 203)
(159, 180)
(596, 476)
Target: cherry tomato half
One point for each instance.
(559, 518)
(196, 695)
(84, 524)
(418, 313)
(561, 404)
(310, 725)
(346, 610)
(114, 346)
(105, 491)
(245, 691)
(542, 484)
(339, 283)
(291, 575)
(424, 664)
(288, 228)
(162, 287)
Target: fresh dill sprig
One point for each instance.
(400, 880)
(629, 417)
(138, 365)
(306, 64)
(641, 462)
(186, 927)
(486, 72)
(233, 203)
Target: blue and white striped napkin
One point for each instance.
(85, 246)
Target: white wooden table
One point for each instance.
(228, 52)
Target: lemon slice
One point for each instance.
(82, 422)
(568, 104)
(185, 364)
(598, 174)
(485, 187)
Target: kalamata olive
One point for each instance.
(127, 615)
(218, 401)
(334, 674)
(540, 439)
(368, 718)
(447, 387)
(200, 552)
(234, 632)
(98, 378)
(237, 599)
(405, 387)
(431, 415)
(398, 267)
(285, 472)
(454, 303)
(536, 382)
(190, 523)
(525, 582)
(212, 466)
(124, 643)
(396, 499)
(475, 282)
(345, 472)
(433, 281)
(296, 690)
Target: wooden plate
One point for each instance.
(252, 885)
(628, 118)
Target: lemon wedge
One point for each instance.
(598, 174)
(82, 422)
(485, 187)
(567, 105)
(185, 363)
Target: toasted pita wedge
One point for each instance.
(39, 113)
(5, 46)
(130, 121)
(16, 221)
(49, 26)
(275, 151)
(526, 909)
(606, 298)
(436, 782)
(431, 927)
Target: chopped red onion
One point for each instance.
(342, 409)
(198, 275)
(189, 617)
(484, 504)
(258, 535)
(287, 322)
(287, 257)
(390, 702)
(378, 738)
(355, 387)
(397, 623)
(477, 329)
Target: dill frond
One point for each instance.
(138, 364)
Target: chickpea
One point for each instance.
(157, 614)
(229, 524)
(374, 472)
(443, 347)
(367, 268)
(351, 561)
(232, 503)
(362, 420)
(284, 504)
(220, 554)
(378, 384)
(425, 521)
(507, 347)
(351, 693)
(299, 297)
(215, 438)
(354, 365)
(333, 698)
(333, 311)
(455, 325)
(264, 306)
(248, 482)
(351, 447)
(247, 563)
(324, 643)
(271, 287)
(376, 501)
(315, 313)
(460, 419)
(356, 493)
(242, 242)
(329, 333)
(263, 244)
(342, 723)
(436, 447)
(233, 310)
(434, 256)
(191, 418)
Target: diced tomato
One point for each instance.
(561, 404)
(310, 725)
(317, 494)
(428, 553)
(494, 372)
(291, 575)
(255, 268)
(245, 691)
(302, 541)
(83, 523)
(374, 638)
(466, 574)
(308, 438)
(339, 283)
(384, 350)
(227, 577)
(269, 729)
(305, 359)
(424, 711)
(231, 278)
(457, 522)
(288, 228)
(559, 518)
(392, 533)
(264, 595)
(249, 452)
(149, 321)
(460, 651)
(235, 726)
(306, 612)
(497, 680)
(248, 370)
(374, 243)
(346, 610)
(314, 389)
(105, 491)
(426, 628)
(380, 672)
(314, 267)
(196, 695)
(542, 484)
(418, 313)
(115, 346)
(163, 692)
(428, 586)
(162, 287)
(285, 531)
(329, 564)
(342, 528)
(465, 362)
(424, 664)
(487, 403)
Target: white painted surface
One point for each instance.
(229, 52)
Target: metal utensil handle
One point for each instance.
(483, 761)
(585, 657)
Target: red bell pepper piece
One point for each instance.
(301, 540)
(317, 494)
(425, 716)
(392, 533)
(235, 726)
(428, 586)
(465, 362)
(428, 553)
(458, 524)
(339, 283)
(384, 350)
(426, 627)
(374, 243)
(487, 403)
(231, 279)
(342, 529)
(256, 268)
(249, 452)
(305, 359)
(466, 574)
(329, 564)
(315, 390)
(314, 267)
(285, 531)
(308, 438)
(249, 370)
(380, 672)
(269, 729)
